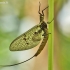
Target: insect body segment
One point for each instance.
(41, 14)
(43, 27)
(44, 41)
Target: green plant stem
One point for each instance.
(51, 36)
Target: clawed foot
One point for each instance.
(46, 34)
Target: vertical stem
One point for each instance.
(51, 36)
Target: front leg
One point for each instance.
(50, 21)
(46, 34)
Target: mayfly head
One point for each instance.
(41, 14)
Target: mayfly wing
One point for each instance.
(27, 40)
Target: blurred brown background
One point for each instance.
(18, 16)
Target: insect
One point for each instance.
(31, 38)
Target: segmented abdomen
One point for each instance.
(44, 41)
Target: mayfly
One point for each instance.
(31, 38)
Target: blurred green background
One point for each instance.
(62, 34)
(17, 16)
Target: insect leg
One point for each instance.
(46, 34)
(39, 8)
(43, 10)
(50, 21)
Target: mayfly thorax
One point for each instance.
(31, 38)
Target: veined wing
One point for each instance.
(27, 40)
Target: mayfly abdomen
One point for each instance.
(44, 41)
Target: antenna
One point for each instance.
(42, 10)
